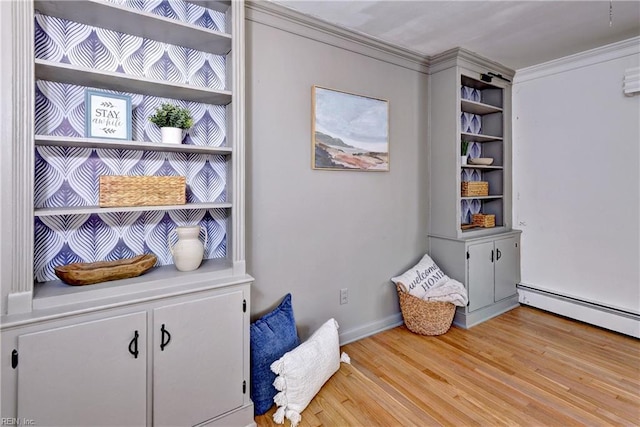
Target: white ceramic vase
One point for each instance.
(463, 160)
(171, 135)
(188, 251)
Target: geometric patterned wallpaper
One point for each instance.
(68, 176)
(63, 239)
(468, 208)
(473, 206)
(180, 11)
(70, 42)
(471, 123)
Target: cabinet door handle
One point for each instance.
(14, 358)
(498, 254)
(165, 334)
(491, 255)
(133, 345)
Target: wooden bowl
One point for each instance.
(88, 273)
(481, 161)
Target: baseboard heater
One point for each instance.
(615, 319)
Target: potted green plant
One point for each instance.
(172, 120)
(463, 152)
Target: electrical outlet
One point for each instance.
(344, 296)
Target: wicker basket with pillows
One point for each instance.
(425, 317)
(428, 298)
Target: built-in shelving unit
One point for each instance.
(139, 23)
(137, 341)
(219, 87)
(486, 109)
(468, 104)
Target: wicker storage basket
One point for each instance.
(116, 191)
(475, 188)
(425, 317)
(482, 220)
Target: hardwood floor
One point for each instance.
(526, 367)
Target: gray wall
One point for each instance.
(313, 232)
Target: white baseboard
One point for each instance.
(371, 328)
(605, 317)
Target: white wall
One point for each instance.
(576, 176)
(313, 232)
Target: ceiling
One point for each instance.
(517, 34)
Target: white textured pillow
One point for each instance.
(421, 277)
(302, 372)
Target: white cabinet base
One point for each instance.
(198, 359)
(489, 268)
(92, 373)
(239, 417)
(176, 360)
(466, 319)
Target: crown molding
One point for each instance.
(280, 17)
(459, 57)
(598, 55)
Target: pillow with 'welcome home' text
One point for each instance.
(421, 277)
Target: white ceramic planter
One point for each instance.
(463, 160)
(171, 135)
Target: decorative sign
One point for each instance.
(107, 115)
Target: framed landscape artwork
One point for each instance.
(349, 132)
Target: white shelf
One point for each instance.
(64, 141)
(489, 197)
(475, 83)
(482, 167)
(84, 210)
(217, 5)
(159, 279)
(475, 137)
(65, 73)
(114, 17)
(482, 231)
(478, 107)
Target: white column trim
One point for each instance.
(238, 162)
(22, 159)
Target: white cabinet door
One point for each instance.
(480, 264)
(87, 374)
(198, 359)
(507, 267)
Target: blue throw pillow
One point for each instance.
(272, 336)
